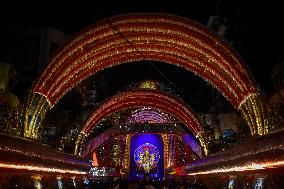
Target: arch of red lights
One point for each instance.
(154, 37)
(144, 98)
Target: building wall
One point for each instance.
(51, 41)
(215, 124)
(276, 99)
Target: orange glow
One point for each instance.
(274, 164)
(253, 166)
(95, 160)
(44, 169)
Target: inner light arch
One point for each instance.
(144, 98)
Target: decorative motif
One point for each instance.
(149, 84)
(152, 85)
(149, 115)
(146, 157)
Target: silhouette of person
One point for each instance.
(147, 182)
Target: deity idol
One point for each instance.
(147, 160)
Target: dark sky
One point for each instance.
(258, 38)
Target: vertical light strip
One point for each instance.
(127, 152)
(165, 138)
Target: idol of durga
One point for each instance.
(146, 160)
(147, 157)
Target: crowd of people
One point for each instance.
(148, 183)
(111, 183)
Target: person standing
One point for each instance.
(147, 182)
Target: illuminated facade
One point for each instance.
(144, 129)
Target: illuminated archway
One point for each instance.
(152, 37)
(145, 120)
(144, 98)
(93, 143)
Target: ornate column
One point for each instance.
(125, 169)
(80, 140)
(167, 162)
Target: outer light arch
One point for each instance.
(178, 41)
(131, 24)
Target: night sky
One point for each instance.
(258, 38)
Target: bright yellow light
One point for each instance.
(44, 169)
(149, 84)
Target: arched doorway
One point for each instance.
(142, 98)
